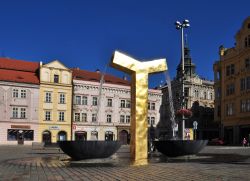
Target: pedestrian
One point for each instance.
(244, 142)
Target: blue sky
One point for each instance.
(85, 33)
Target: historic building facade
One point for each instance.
(232, 87)
(19, 96)
(109, 120)
(198, 95)
(55, 102)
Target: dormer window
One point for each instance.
(56, 78)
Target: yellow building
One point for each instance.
(55, 102)
(232, 88)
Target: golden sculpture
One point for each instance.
(139, 100)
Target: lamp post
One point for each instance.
(181, 26)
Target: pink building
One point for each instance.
(112, 121)
(19, 93)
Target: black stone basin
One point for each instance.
(79, 150)
(173, 148)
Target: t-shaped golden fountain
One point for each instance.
(139, 100)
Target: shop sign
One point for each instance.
(54, 128)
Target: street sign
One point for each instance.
(195, 124)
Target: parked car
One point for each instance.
(216, 141)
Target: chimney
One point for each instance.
(97, 71)
(41, 63)
(124, 77)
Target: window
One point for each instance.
(153, 120)
(230, 70)
(14, 112)
(218, 92)
(13, 133)
(84, 117)
(48, 97)
(205, 95)
(243, 105)
(61, 116)
(127, 103)
(47, 115)
(23, 113)
(230, 89)
(127, 119)
(62, 98)
(78, 100)
(109, 118)
(148, 105)
(122, 103)
(242, 84)
(248, 82)
(122, 118)
(229, 109)
(148, 120)
(23, 94)
(245, 42)
(248, 40)
(77, 117)
(248, 105)
(56, 78)
(84, 100)
(15, 93)
(94, 117)
(247, 63)
(196, 93)
(109, 103)
(211, 96)
(94, 101)
(152, 106)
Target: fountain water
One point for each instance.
(171, 105)
(177, 147)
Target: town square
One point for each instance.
(128, 90)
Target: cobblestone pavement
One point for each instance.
(213, 163)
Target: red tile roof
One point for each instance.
(96, 77)
(19, 71)
(6, 63)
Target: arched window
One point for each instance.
(62, 136)
(109, 136)
(94, 135)
(205, 95)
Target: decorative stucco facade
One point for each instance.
(109, 120)
(55, 102)
(232, 87)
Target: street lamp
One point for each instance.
(181, 26)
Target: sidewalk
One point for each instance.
(213, 163)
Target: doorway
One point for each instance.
(20, 137)
(46, 137)
(123, 137)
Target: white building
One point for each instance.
(112, 121)
(19, 96)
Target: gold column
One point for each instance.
(139, 100)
